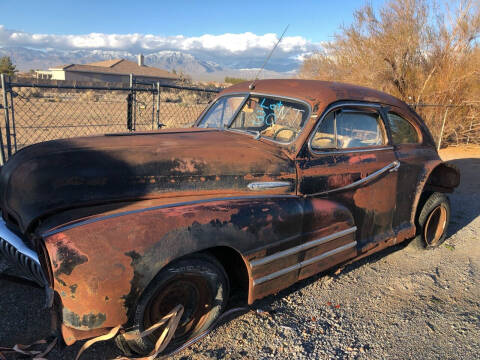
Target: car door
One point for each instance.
(349, 161)
(412, 154)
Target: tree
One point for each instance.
(233, 80)
(6, 66)
(413, 49)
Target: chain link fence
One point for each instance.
(32, 113)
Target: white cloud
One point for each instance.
(244, 44)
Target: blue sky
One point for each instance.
(237, 34)
(313, 20)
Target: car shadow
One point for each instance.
(465, 200)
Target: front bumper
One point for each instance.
(13, 248)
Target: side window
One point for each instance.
(324, 138)
(221, 112)
(349, 128)
(402, 131)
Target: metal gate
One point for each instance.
(35, 112)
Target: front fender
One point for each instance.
(102, 266)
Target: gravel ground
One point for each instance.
(402, 303)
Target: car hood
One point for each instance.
(45, 178)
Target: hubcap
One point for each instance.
(435, 225)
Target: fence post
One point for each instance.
(158, 105)
(469, 130)
(7, 122)
(441, 131)
(129, 111)
(134, 104)
(13, 133)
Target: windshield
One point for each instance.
(277, 119)
(221, 113)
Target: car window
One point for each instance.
(349, 128)
(402, 131)
(324, 138)
(277, 119)
(358, 129)
(220, 114)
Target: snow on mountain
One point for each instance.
(197, 66)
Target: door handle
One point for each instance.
(396, 165)
(266, 185)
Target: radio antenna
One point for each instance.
(252, 85)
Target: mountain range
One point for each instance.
(197, 66)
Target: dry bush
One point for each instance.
(415, 50)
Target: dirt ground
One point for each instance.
(401, 303)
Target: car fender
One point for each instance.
(101, 266)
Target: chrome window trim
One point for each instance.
(335, 151)
(303, 264)
(124, 213)
(339, 152)
(304, 246)
(393, 166)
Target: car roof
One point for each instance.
(318, 93)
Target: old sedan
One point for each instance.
(275, 182)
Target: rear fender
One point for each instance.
(444, 178)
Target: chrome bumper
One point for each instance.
(13, 248)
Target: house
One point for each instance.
(116, 70)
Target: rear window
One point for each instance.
(402, 131)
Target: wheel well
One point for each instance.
(233, 264)
(229, 258)
(444, 178)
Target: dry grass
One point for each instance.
(417, 50)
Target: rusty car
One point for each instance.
(276, 181)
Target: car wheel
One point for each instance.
(433, 220)
(197, 282)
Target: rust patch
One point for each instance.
(90, 321)
(67, 258)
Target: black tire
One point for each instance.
(433, 220)
(199, 283)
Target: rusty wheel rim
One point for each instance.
(191, 291)
(435, 225)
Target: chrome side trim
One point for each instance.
(303, 264)
(390, 167)
(305, 246)
(265, 185)
(101, 218)
(10, 237)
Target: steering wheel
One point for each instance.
(275, 135)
